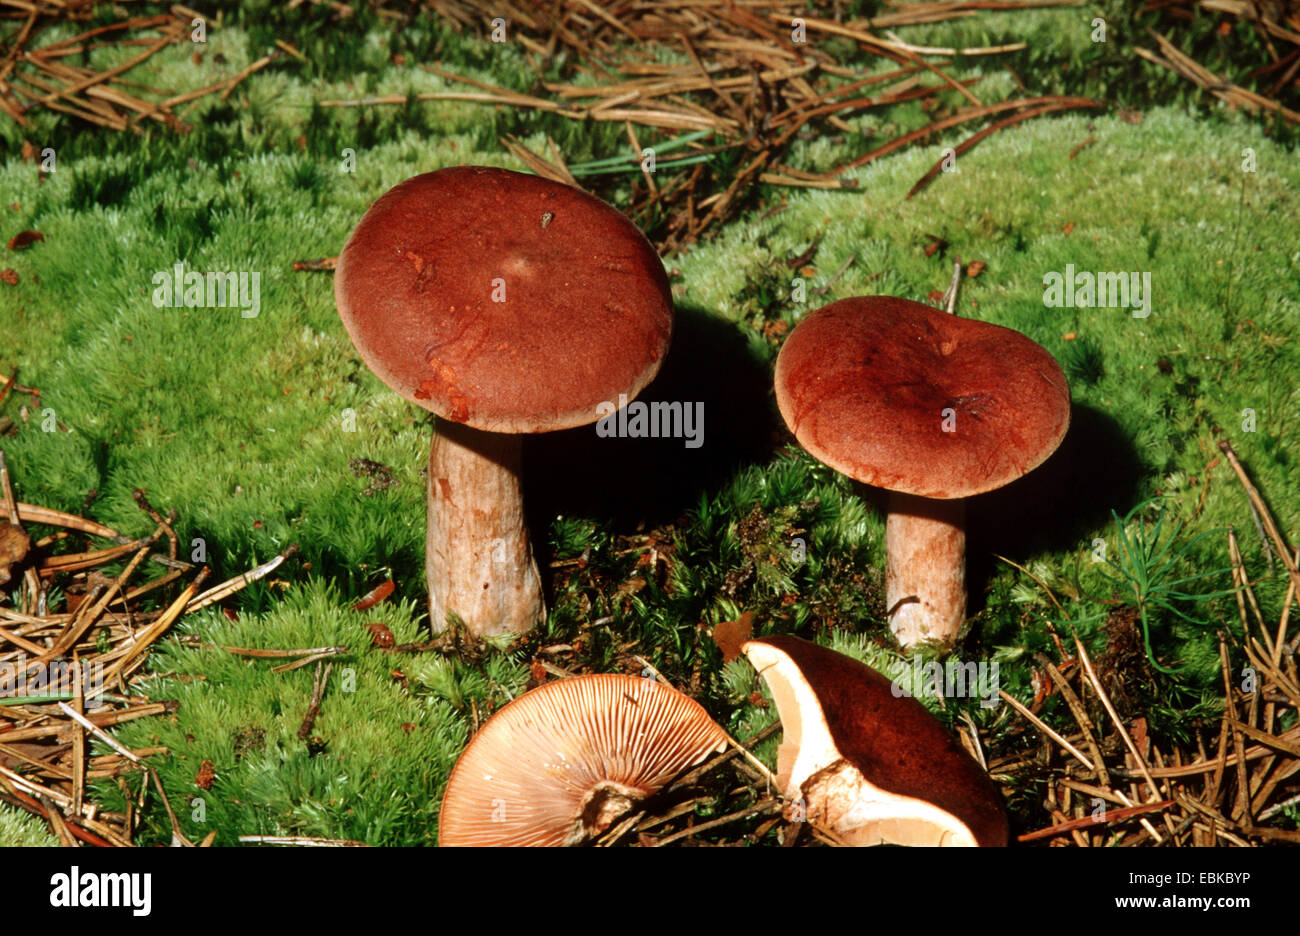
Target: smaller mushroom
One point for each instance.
(933, 408)
(874, 767)
(560, 764)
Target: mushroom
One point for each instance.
(933, 408)
(872, 766)
(506, 304)
(560, 764)
(14, 542)
(14, 545)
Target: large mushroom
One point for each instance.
(560, 764)
(872, 766)
(933, 408)
(506, 304)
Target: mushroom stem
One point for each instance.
(925, 577)
(478, 557)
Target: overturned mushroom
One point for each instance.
(560, 764)
(506, 304)
(872, 766)
(933, 408)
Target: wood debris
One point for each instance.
(708, 131)
(70, 667)
(53, 75)
(1109, 783)
(1276, 23)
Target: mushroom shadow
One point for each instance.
(1053, 508)
(711, 370)
(1057, 505)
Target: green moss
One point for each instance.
(21, 829)
(247, 426)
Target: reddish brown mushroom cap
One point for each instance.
(586, 316)
(875, 766)
(561, 763)
(864, 384)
